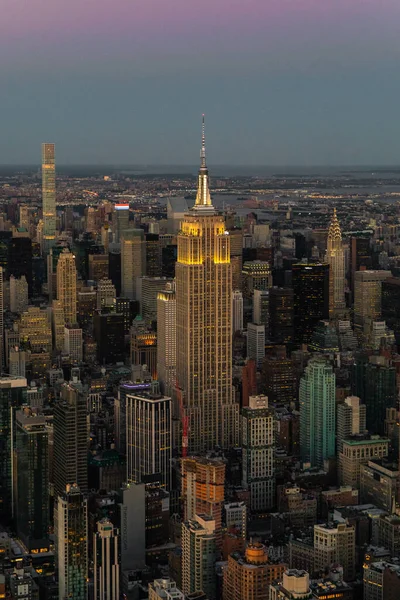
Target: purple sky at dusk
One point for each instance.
(122, 81)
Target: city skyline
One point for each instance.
(281, 83)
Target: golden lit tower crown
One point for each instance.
(334, 232)
(204, 323)
(335, 258)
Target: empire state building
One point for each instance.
(204, 324)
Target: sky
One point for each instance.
(281, 82)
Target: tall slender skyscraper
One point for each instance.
(1, 319)
(166, 339)
(106, 561)
(204, 323)
(335, 258)
(48, 195)
(66, 285)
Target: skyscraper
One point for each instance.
(133, 261)
(311, 298)
(198, 556)
(204, 323)
(148, 427)
(72, 546)
(335, 258)
(106, 561)
(237, 311)
(66, 285)
(317, 412)
(166, 339)
(256, 342)
(120, 220)
(32, 480)
(2, 358)
(351, 419)
(368, 295)
(49, 195)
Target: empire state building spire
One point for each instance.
(203, 198)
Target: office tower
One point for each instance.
(360, 255)
(203, 490)
(153, 255)
(378, 335)
(114, 269)
(149, 424)
(334, 543)
(35, 330)
(19, 261)
(237, 311)
(390, 307)
(73, 343)
(356, 451)
(109, 335)
(177, 209)
(311, 298)
(144, 346)
(52, 260)
(166, 339)
(317, 412)
(256, 275)
(204, 323)
(381, 580)
(249, 381)
(70, 440)
(48, 195)
(12, 397)
(58, 324)
(324, 339)
(17, 362)
(261, 308)
(98, 266)
(72, 545)
(335, 258)
(133, 261)
(128, 309)
(120, 220)
(249, 575)
(236, 237)
(257, 432)
(106, 561)
(279, 378)
(256, 343)
(169, 256)
(367, 295)
(66, 285)
(148, 289)
(199, 556)
(379, 483)
(106, 294)
(18, 294)
(132, 520)
(374, 381)
(32, 480)
(164, 589)
(92, 219)
(295, 585)
(3, 360)
(351, 420)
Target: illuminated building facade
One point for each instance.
(368, 295)
(204, 323)
(106, 561)
(49, 194)
(66, 285)
(120, 220)
(335, 258)
(166, 339)
(133, 261)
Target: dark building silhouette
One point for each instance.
(311, 298)
(109, 335)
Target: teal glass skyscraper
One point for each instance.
(317, 412)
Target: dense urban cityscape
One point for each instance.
(200, 385)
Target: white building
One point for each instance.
(237, 311)
(256, 342)
(164, 589)
(106, 565)
(261, 308)
(73, 343)
(198, 555)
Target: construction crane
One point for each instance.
(184, 420)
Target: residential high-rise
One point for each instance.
(199, 556)
(368, 295)
(164, 589)
(12, 397)
(148, 426)
(166, 339)
(237, 311)
(311, 298)
(72, 545)
(66, 285)
(257, 432)
(317, 412)
(203, 490)
(256, 343)
(334, 543)
(70, 440)
(249, 576)
(351, 419)
(106, 561)
(335, 258)
(133, 261)
(204, 323)
(49, 194)
(32, 480)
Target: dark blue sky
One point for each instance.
(282, 82)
